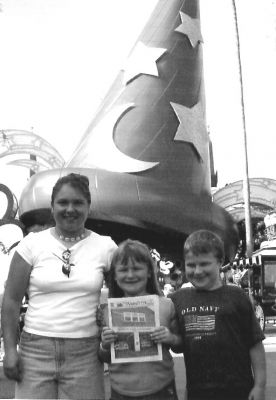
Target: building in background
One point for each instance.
(262, 203)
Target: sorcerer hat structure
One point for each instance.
(146, 152)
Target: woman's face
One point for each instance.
(70, 210)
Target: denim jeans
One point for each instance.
(56, 368)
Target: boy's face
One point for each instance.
(203, 271)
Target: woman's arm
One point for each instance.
(257, 356)
(16, 287)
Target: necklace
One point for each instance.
(72, 239)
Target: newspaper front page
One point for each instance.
(133, 319)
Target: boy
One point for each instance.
(222, 339)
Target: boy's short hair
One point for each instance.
(203, 242)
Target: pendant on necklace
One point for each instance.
(66, 269)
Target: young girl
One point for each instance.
(133, 273)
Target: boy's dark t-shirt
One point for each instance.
(218, 329)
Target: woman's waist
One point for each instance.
(33, 345)
(35, 336)
(51, 328)
(45, 316)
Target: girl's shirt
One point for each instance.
(143, 378)
(62, 306)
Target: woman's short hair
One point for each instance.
(203, 242)
(77, 181)
(134, 251)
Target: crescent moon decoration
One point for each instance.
(26, 149)
(11, 232)
(191, 28)
(142, 60)
(11, 203)
(101, 151)
(24, 142)
(30, 164)
(191, 127)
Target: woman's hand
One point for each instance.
(163, 335)
(12, 365)
(108, 336)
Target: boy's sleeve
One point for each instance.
(253, 329)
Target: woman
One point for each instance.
(61, 269)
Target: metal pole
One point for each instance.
(246, 185)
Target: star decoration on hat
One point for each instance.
(142, 60)
(191, 28)
(191, 127)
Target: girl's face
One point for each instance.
(132, 278)
(70, 210)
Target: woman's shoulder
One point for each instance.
(96, 237)
(35, 237)
(43, 232)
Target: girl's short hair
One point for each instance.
(135, 251)
(203, 242)
(77, 181)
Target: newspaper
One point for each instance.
(134, 318)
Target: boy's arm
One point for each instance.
(258, 362)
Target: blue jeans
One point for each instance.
(56, 368)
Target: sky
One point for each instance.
(59, 58)
(257, 32)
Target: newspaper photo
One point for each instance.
(133, 319)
